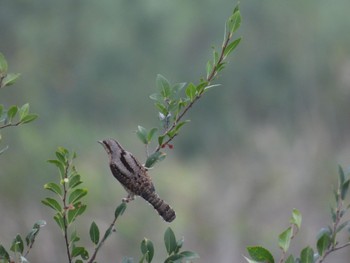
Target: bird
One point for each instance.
(134, 178)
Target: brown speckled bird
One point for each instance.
(134, 178)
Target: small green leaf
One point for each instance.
(180, 124)
(307, 255)
(179, 244)
(174, 258)
(156, 97)
(341, 226)
(54, 188)
(231, 47)
(10, 79)
(189, 255)
(163, 86)
(120, 210)
(74, 237)
(344, 189)
(176, 89)
(341, 175)
(284, 239)
(153, 158)
(209, 68)
(191, 91)
(80, 251)
(170, 241)
(3, 253)
(260, 254)
(290, 259)
(12, 111)
(234, 21)
(162, 109)
(59, 220)
(94, 233)
(296, 218)
(29, 118)
(323, 243)
(161, 139)
(151, 134)
(3, 64)
(147, 248)
(108, 232)
(76, 195)
(142, 134)
(77, 211)
(17, 244)
(74, 181)
(23, 111)
(211, 86)
(50, 202)
(60, 167)
(215, 56)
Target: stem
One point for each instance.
(209, 79)
(106, 235)
(10, 125)
(65, 223)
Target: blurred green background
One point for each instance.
(267, 141)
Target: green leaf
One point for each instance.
(323, 244)
(250, 260)
(23, 111)
(215, 57)
(151, 134)
(189, 255)
(156, 97)
(179, 244)
(296, 218)
(290, 259)
(341, 226)
(80, 251)
(10, 79)
(162, 109)
(161, 139)
(74, 181)
(260, 254)
(176, 89)
(29, 118)
(72, 214)
(163, 86)
(94, 233)
(3, 64)
(234, 21)
(147, 248)
(307, 255)
(344, 189)
(179, 125)
(284, 239)
(191, 91)
(50, 202)
(212, 86)
(60, 167)
(209, 68)
(54, 188)
(341, 175)
(174, 258)
(230, 47)
(76, 195)
(120, 210)
(12, 111)
(142, 134)
(30, 238)
(170, 241)
(108, 232)
(74, 237)
(153, 158)
(59, 220)
(3, 253)
(17, 244)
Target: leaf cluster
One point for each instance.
(19, 248)
(172, 246)
(14, 115)
(173, 101)
(327, 238)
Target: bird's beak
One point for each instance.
(100, 142)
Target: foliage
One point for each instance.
(327, 239)
(14, 115)
(172, 104)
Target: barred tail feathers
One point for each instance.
(163, 209)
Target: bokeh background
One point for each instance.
(267, 141)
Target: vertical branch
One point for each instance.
(65, 209)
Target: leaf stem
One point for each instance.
(65, 223)
(209, 79)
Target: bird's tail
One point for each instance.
(163, 209)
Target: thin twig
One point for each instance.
(209, 79)
(65, 223)
(10, 125)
